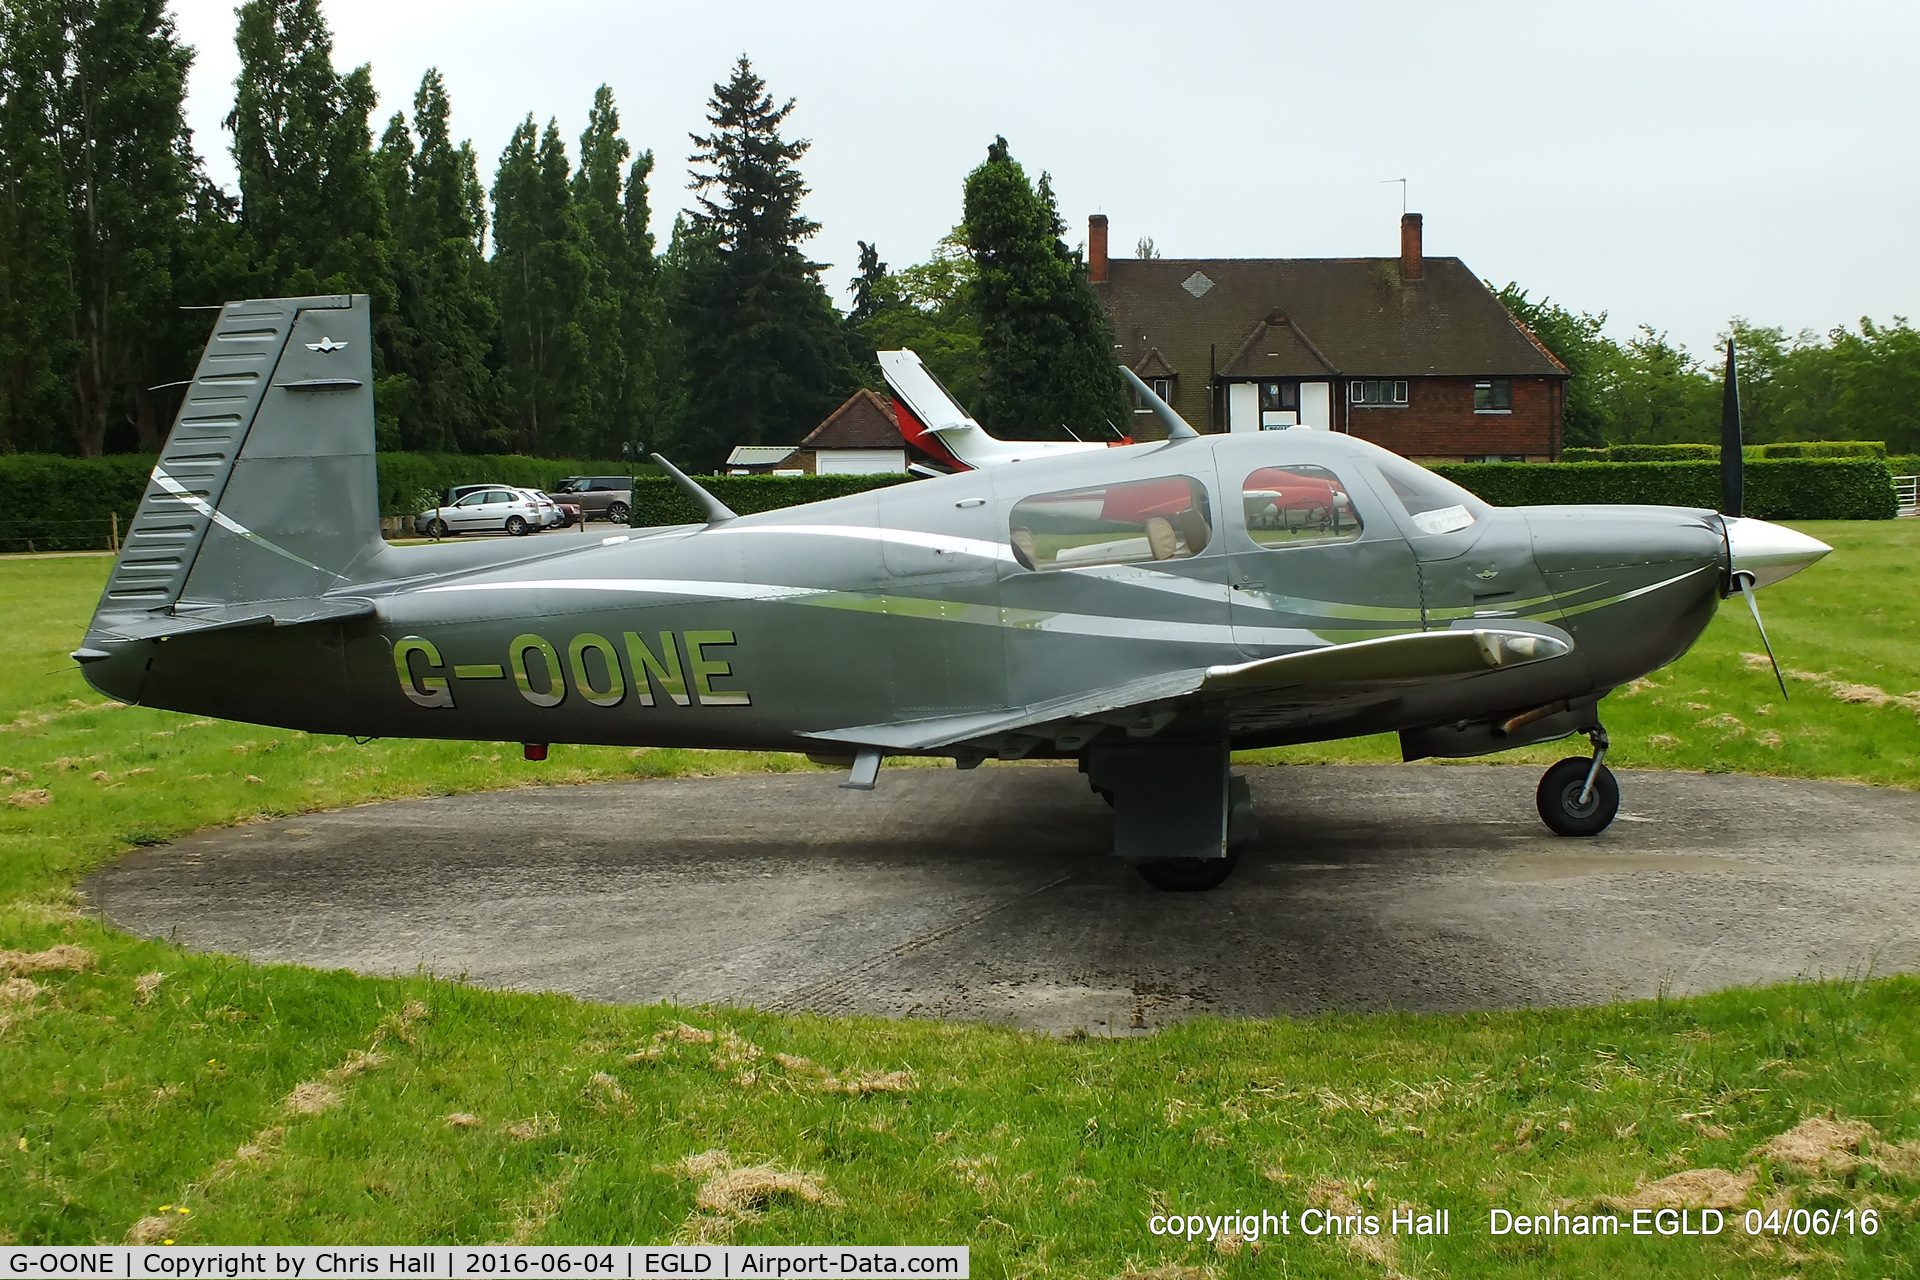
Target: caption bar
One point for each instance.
(624, 1262)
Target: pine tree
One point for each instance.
(1046, 341)
(444, 395)
(764, 355)
(541, 279)
(869, 287)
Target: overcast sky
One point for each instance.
(1669, 163)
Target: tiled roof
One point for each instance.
(1276, 349)
(1357, 317)
(865, 421)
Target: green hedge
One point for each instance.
(1776, 488)
(1904, 464)
(63, 504)
(658, 500)
(1688, 452)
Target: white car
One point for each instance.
(517, 511)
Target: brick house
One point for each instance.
(1413, 353)
(860, 438)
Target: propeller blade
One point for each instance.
(1732, 464)
(1746, 589)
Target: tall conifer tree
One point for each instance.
(1046, 341)
(37, 298)
(765, 355)
(310, 193)
(101, 190)
(444, 395)
(617, 395)
(541, 276)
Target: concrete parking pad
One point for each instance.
(989, 895)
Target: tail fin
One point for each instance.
(266, 490)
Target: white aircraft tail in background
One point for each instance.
(932, 421)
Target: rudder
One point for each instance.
(266, 490)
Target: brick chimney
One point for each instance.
(1412, 265)
(1097, 248)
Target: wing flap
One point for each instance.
(1335, 672)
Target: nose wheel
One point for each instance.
(1580, 797)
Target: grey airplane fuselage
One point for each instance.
(913, 603)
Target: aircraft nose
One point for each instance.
(1769, 552)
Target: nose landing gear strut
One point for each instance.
(1580, 797)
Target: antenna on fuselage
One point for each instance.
(716, 511)
(1178, 428)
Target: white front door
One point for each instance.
(1316, 405)
(1243, 406)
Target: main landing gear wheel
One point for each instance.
(1569, 807)
(1188, 875)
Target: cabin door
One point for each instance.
(1316, 560)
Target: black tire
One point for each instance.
(618, 513)
(437, 529)
(1559, 798)
(1187, 875)
(517, 526)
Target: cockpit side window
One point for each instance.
(1434, 504)
(1142, 520)
(1298, 506)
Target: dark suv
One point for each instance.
(599, 497)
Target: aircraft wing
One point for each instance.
(1307, 680)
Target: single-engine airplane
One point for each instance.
(1144, 609)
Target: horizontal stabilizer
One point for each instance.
(232, 617)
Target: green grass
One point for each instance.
(1045, 1156)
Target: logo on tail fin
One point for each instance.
(326, 346)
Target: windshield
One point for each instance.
(567, 486)
(1434, 503)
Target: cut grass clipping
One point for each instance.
(149, 1094)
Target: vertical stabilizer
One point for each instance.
(266, 489)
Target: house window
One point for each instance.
(1378, 393)
(1493, 395)
(1298, 506)
(1162, 387)
(1146, 520)
(1279, 397)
